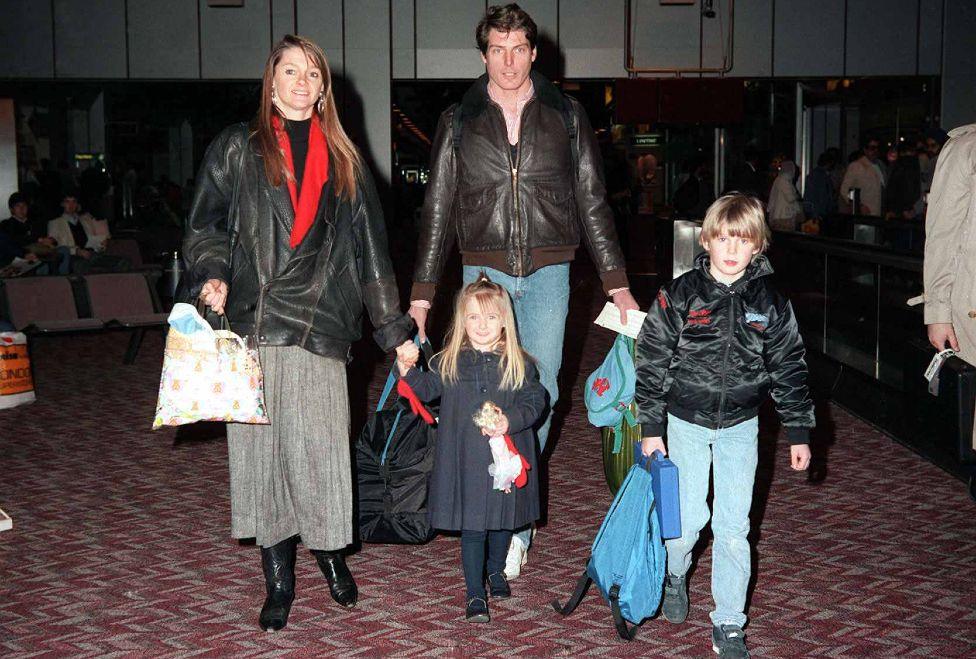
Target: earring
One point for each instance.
(321, 104)
(274, 94)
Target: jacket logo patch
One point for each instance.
(757, 321)
(663, 301)
(601, 386)
(700, 317)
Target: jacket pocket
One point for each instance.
(555, 216)
(479, 226)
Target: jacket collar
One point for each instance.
(476, 99)
(760, 267)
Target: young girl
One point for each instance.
(482, 361)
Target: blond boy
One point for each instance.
(717, 341)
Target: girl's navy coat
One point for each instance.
(461, 492)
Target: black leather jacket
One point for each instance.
(312, 296)
(515, 214)
(710, 353)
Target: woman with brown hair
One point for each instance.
(285, 236)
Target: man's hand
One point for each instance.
(940, 334)
(419, 315)
(30, 257)
(625, 302)
(651, 444)
(800, 456)
(83, 253)
(47, 241)
(214, 294)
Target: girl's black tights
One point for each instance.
(473, 557)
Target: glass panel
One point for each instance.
(899, 324)
(852, 320)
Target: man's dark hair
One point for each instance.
(16, 198)
(507, 18)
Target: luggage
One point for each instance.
(610, 389)
(627, 560)
(394, 457)
(16, 382)
(617, 463)
(609, 398)
(664, 481)
(208, 375)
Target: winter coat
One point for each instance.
(312, 296)
(949, 268)
(461, 493)
(709, 354)
(515, 214)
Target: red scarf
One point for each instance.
(315, 176)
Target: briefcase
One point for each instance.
(664, 483)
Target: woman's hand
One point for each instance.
(651, 444)
(214, 295)
(501, 427)
(407, 355)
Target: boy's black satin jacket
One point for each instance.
(709, 353)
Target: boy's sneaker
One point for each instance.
(675, 606)
(729, 641)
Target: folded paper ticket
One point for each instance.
(610, 318)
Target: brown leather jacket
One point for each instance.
(515, 214)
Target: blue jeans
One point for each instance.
(731, 453)
(541, 304)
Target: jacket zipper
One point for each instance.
(519, 238)
(725, 358)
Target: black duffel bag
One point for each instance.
(394, 458)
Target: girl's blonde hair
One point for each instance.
(739, 215)
(490, 298)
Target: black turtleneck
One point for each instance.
(298, 138)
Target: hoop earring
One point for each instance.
(321, 104)
(274, 94)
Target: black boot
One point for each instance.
(341, 584)
(278, 562)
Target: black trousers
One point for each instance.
(473, 558)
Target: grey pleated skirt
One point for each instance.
(294, 477)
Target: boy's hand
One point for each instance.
(800, 456)
(501, 427)
(651, 444)
(407, 355)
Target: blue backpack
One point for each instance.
(627, 559)
(610, 389)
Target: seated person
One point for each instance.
(29, 237)
(85, 237)
(10, 250)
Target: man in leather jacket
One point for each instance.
(516, 179)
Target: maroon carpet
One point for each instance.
(120, 544)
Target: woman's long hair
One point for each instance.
(491, 298)
(344, 157)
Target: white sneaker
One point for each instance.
(517, 556)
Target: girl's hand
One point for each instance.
(407, 355)
(501, 428)
(800, 456)
(214, 295)
(651, 444)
